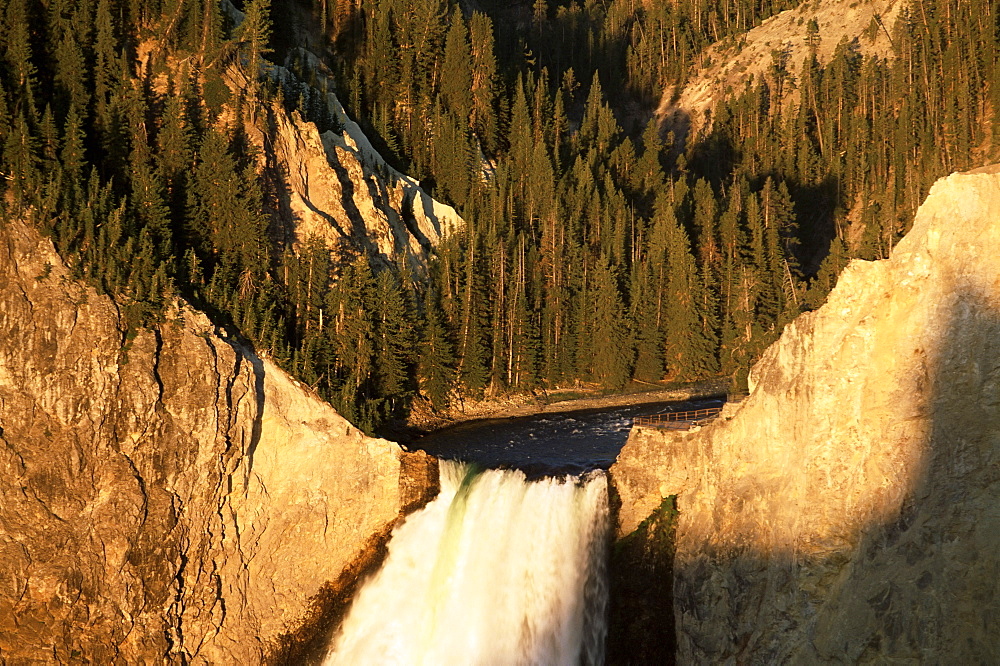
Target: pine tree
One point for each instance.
(72, 157)
(147, 203)
(255, 33)
(453, 157)
(649, 171)
(484, 81)
(522, 143)
(214, 204)
(394, 337)
(587, 134)
(456, 86)
(349, 334)
(647, 308)
(473, 370)
(18, 58)
(175, 154)
(20, 155)
(689, 343)
(612, 343)
(436, 369)
(107, 70)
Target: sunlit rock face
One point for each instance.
(849, 509)
(335, 188)
(168, 497)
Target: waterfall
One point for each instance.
(495, 570)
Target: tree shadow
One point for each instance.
(816, 206)
(922, 584)
(674, 124)
(278, 191)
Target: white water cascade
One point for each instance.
(495, 570)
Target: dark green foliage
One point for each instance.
(436, 357)
(596, 248)
(609, 354)
(394, 338)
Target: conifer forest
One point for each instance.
(602, 245)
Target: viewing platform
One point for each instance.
(679, 420)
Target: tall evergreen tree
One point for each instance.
(436, 368)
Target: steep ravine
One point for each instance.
(170, 496)
(849, 509)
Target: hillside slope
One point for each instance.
(171, 496)
(847, 510)
(729, 64)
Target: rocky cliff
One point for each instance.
(849, 508)
(168, 495)
(335, 187)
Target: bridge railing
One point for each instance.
(678, 420)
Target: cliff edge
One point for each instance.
(849, 508)
(166, 496)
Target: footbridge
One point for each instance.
(679, 420)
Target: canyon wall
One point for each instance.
(166, 495)
(849, 508)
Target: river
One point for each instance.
(547, 444)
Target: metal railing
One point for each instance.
(678, 420)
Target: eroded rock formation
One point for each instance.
(849, 508)
(336, 188)
(168, 496)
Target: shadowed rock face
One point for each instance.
(849, 508)
(171, 496)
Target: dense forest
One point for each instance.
(597, 249)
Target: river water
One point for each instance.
(547, 444)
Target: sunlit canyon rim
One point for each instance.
(849, 508)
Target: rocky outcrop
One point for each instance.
(166, 494)
(336, 188)
(849, 509)
(341, 193)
